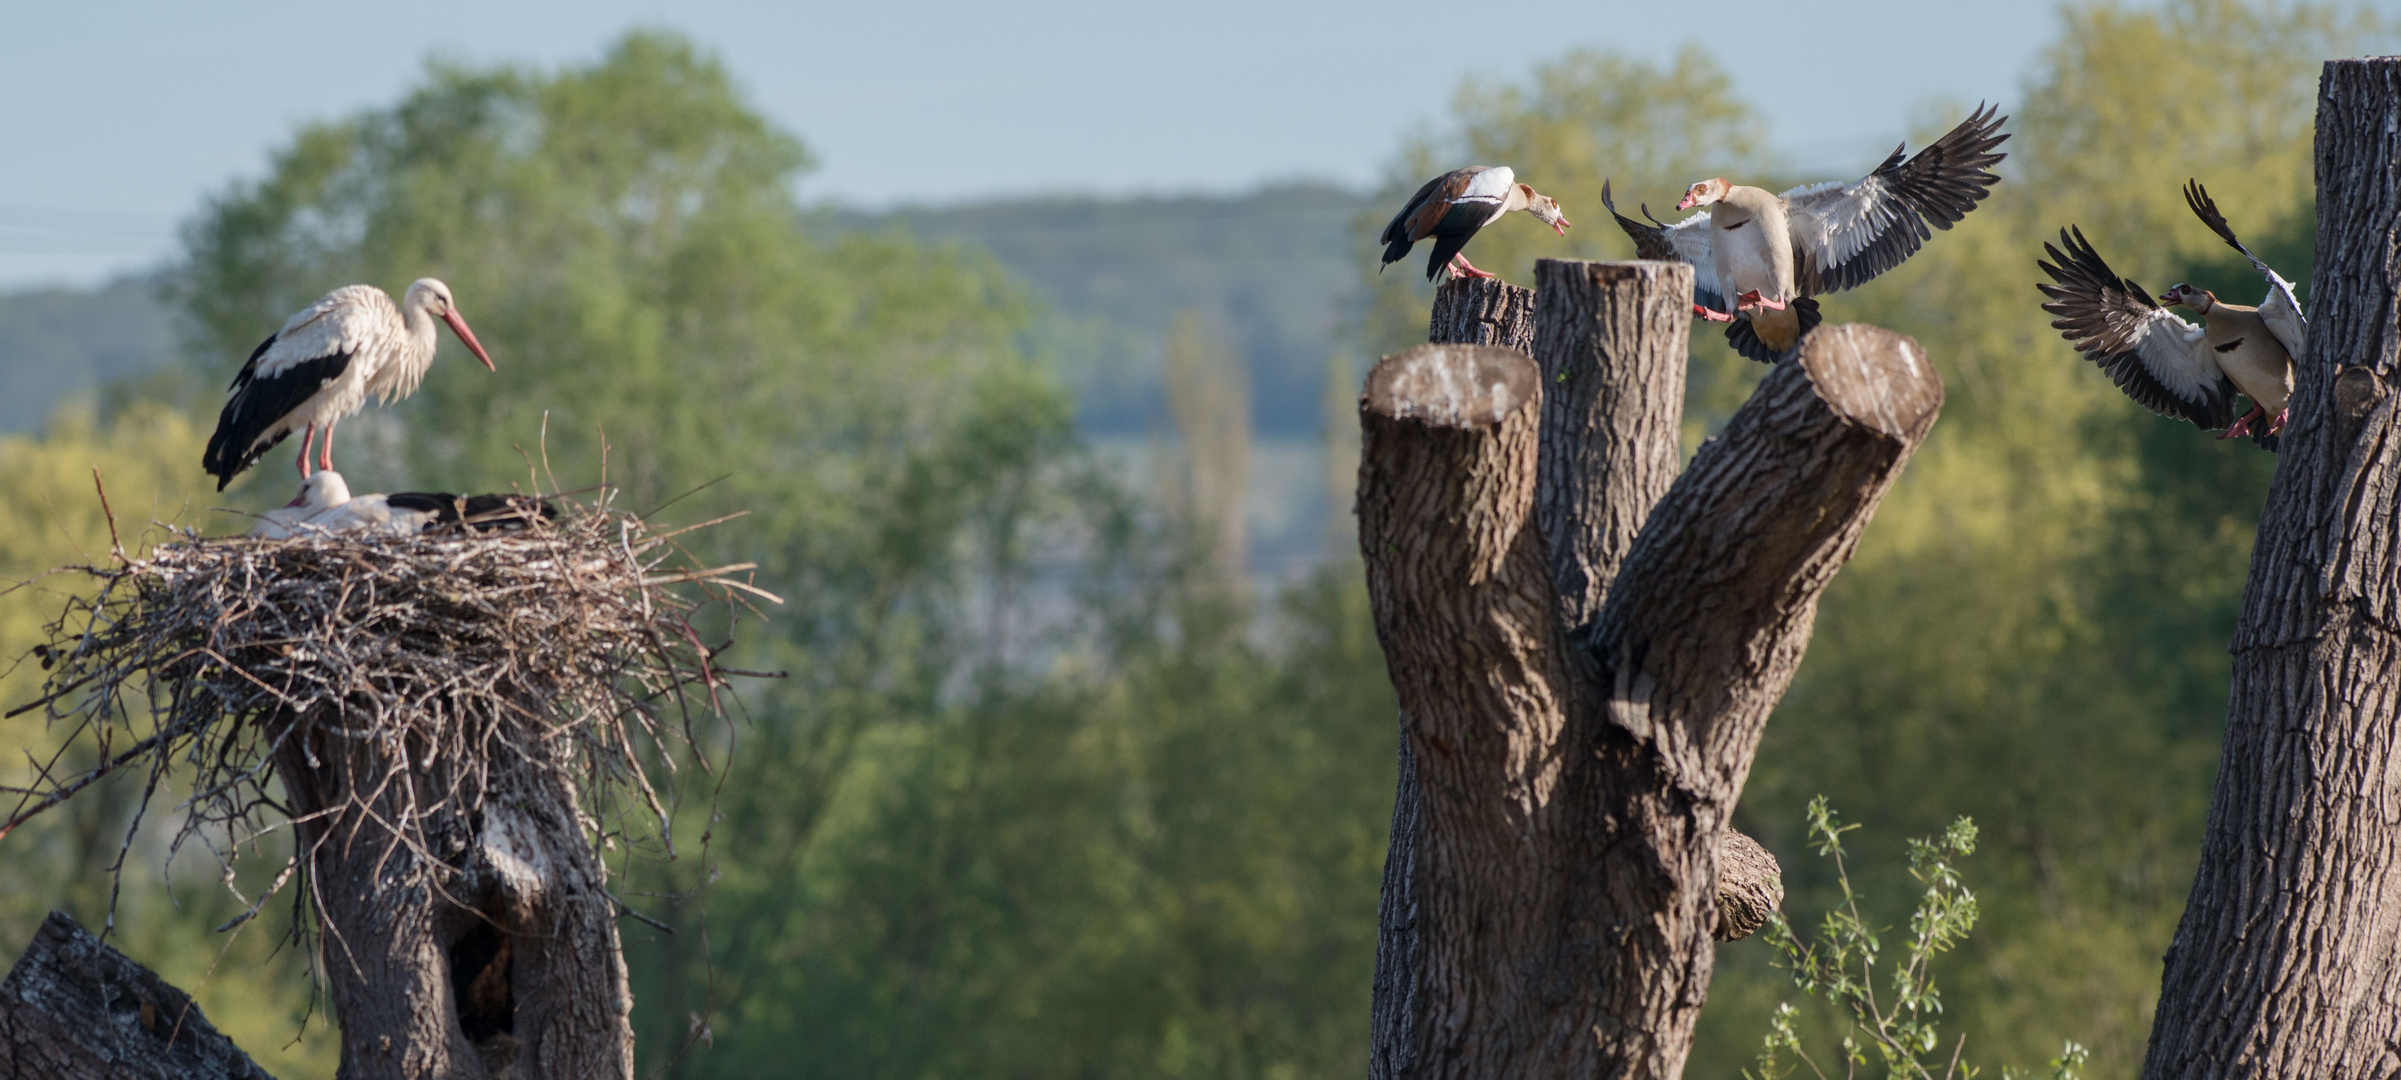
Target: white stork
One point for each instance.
(325, 505)
(322, 365)
(321, 491)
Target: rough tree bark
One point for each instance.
(1573, 800)
(1612, 361)
(75, 1009)
(490, 951)
(1467, 311)
(2287, 961)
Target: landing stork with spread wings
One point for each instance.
(322, 366)
(1760, 259)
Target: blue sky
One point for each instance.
(125, 115)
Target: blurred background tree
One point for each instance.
(1043, 795)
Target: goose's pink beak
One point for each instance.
(1560, 226)
(458, 325)
(1684, 203)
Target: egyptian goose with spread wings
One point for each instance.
(1455, 206)
(1759, 259)
(2168, 365)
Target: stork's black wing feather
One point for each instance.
(255, 408)
(482, 513)
(251, 364)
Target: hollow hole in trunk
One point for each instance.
(479, 979)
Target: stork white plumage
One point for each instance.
(325, 505)
(320, 492)
(322, 365)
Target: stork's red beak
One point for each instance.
(458, 325)
(297, 500)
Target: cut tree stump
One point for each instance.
(74, 1009)
(1585, 664)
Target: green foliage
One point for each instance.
(1028, 801)
(1840, 964)
(1261, 268)
(50, 516)
(1043, 796)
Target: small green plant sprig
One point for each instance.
(1899, 1029)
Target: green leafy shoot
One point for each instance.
(1897, 1026)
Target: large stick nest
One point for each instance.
(448, 657)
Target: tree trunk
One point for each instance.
(1467, 311)
(1572, 801)
(75, 1009)
(463, 929)
(2286, 961)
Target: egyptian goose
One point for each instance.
(1759, 259)
(322, 366)
(1453, 206)
(2168, 365)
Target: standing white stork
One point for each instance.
(322, 365)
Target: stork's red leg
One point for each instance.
(306, 439)
(325, 452)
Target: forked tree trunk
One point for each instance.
(1572, 799)
(484, 944)
(1612, 358)
(2288, 960)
